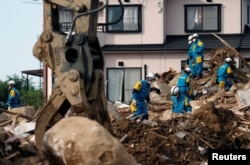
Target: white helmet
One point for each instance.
(187, 70)
(11, 82)
(195, 35)
(190, 37)
(175, 91)
(228, 60)
(151, 76)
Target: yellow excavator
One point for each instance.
(76, 62)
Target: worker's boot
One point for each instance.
(192, 76)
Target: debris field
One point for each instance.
(219, 120)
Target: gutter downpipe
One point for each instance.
(241, 32)
(45, 68)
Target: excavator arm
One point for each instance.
(76, 62)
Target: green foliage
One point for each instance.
(4, 91)
(30, 96)
(33, 98)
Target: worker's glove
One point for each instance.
(133, 106)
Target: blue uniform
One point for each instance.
(180, 104)
(223, 73)
(13, 98)
(183, 83)
(198, 55)
(191, 62)
(141, 94)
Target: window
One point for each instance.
(184, 63)
(120, 82)
(131, 21)
(205, 18)
(206, 65)
(65, 19)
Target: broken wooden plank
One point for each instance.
(17, 114)
(240, 107)
(6, 123)
(232, 49)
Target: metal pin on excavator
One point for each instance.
(76, 62)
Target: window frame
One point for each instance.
(139, 20)
(121, 87)
(218, 6)
(248, 16)
(206, 64)
(66, 13)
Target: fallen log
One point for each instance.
(6, 123)
(160, 108)
(204, 141)
(12, 155)
(17, 114)
(240, 108)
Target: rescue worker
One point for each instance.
(180, 102)
(140, 96)
(190, 55)
(198, 55)
(14, 96)
(224, 72)
(183, 82)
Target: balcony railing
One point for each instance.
(66, 27)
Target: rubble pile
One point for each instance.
(220, 120)
(184, 139)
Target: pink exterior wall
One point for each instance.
(152, 25)
(156, 62)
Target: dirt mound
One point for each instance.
(184, 139)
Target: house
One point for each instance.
(152, 36)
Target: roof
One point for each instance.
(179, 42)
(36, 72)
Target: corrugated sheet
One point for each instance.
(244, 96)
